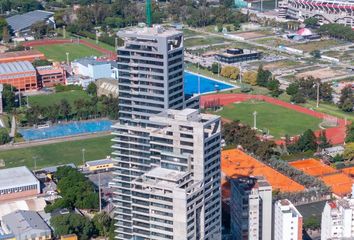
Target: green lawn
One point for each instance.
(55, 98)
(58, 153)
(57, 52)
(278, 120)
(201, 41)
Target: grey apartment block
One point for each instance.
(251, 208)
(150, 66)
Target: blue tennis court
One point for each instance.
(68, 129)
(206, 84)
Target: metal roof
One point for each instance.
(22, 222)
(16, 177)
(22, 21)
(99, 162)
(16, 67)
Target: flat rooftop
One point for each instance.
(99, 162)
(156, 30)
(16, 177)
(21, 54)
(164, 173)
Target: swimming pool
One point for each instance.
(67, 129)
(206, 84)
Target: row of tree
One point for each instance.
(305, 89)
(346, 100)
(338, 31)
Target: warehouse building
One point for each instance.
(21, 24)
(18, 183)
(26, 225)
(21, 75)
(29, 55)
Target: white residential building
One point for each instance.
(251, 208)
(338, 219)
(153, 143)
(180, 197)
(287, 221)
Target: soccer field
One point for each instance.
(57, 52)
(278, 120)
(55, 98)
(58, 153)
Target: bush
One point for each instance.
(4, 136)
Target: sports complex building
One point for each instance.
(327, 11)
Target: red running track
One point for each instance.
(335, 135)
(109, 54)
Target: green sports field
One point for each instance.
(58, 153)
(57, 52)
(55, 98)
(278, 120)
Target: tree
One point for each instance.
(41, 62)
(323, 141)
(230, 72)
(92, 89)
(350, 133)
(349, 151)
(273, 85)
(263, 76)
(292, 89)
(4, 136)
(8, 97)
(298, 98)
(250, 77)
(215, 68)
(65, 108)
(307, 142)
(102, 223)
(312, 223)
(73, 223)
(39, 29)
(311, 22)
(5, 34)
(346, 99)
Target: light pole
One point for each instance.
(67, 58)
(64, 32)
(83, 156)
(318, 94)
(116, 43)
(97, 37)
(254, 120)
(99, 191)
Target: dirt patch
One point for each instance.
(323, 73)
(250, 35)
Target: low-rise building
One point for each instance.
(21, 24)
(28, 55)
(26, 225)
(92, 67)
(100, 165)
(18, 183)
(237, 55)
(49, 76)
(21, 75)
(287, 221)
(251, 208)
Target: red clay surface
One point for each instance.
(109, 54)
(313, 167)
(339, 182)
(236, 163)
(335, 135)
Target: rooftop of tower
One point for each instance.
(154, 31)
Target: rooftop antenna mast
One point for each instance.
(148, 13)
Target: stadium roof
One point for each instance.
(16, 177)
(15, 67)
(23, 21)
(99, 162)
